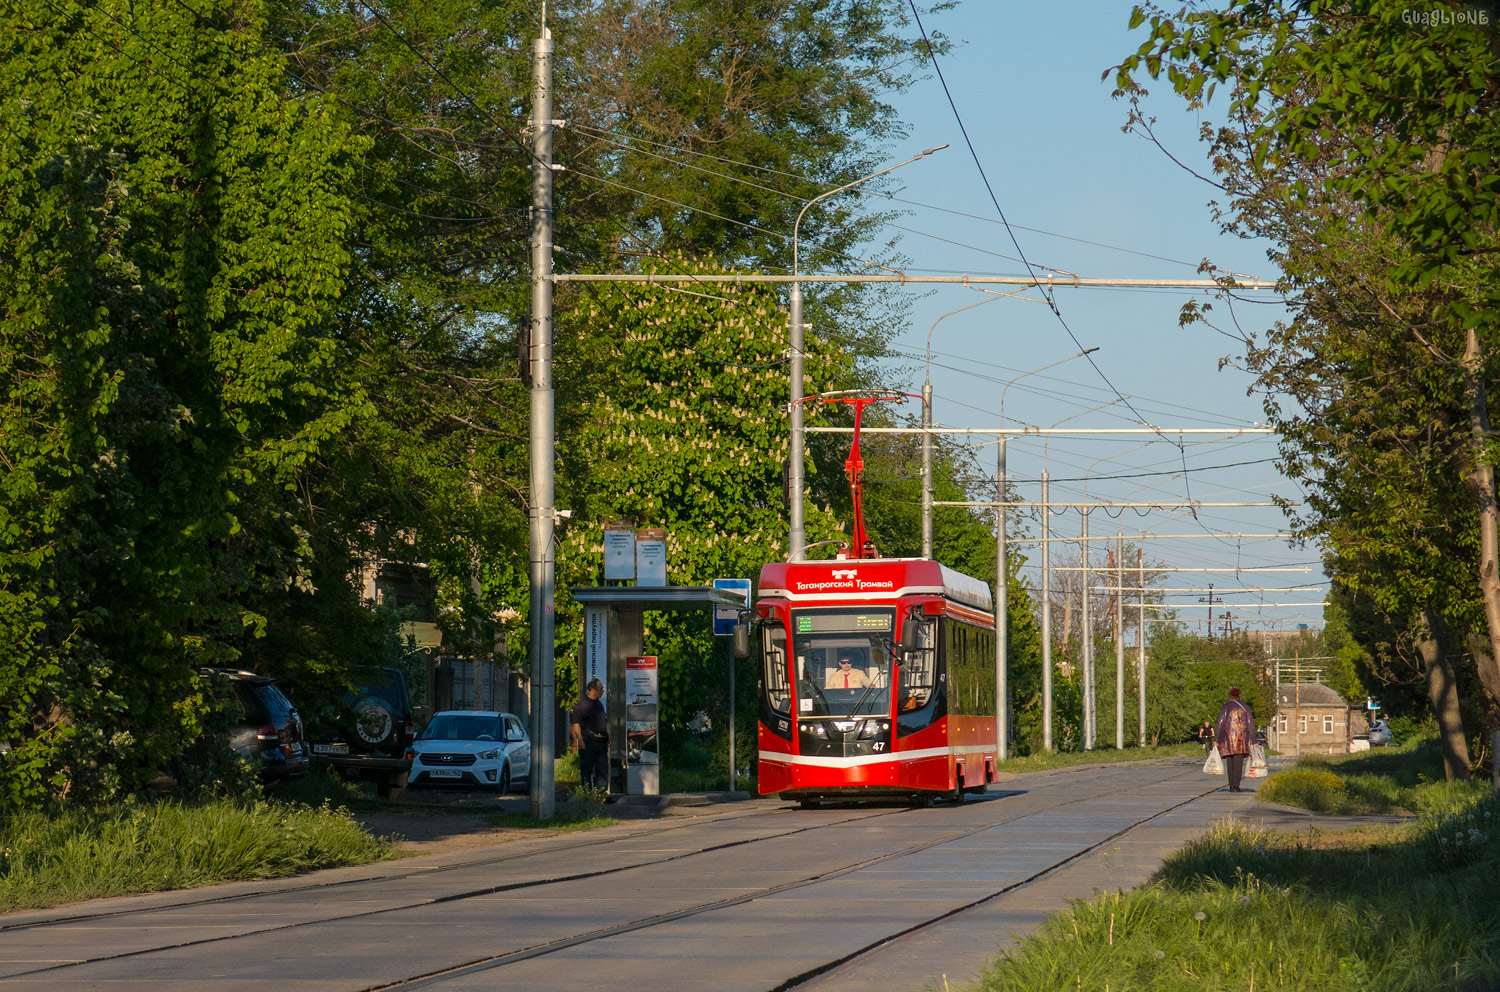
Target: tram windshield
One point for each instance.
(843, 661)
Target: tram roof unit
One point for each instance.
(846, 580)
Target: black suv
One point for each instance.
(369, 738)
(268, 730)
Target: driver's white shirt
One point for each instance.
(854, 678)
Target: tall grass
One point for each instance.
(1387, 780)
(72, 854)
(1407, 908)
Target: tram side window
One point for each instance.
(969, 653)
(986, 641)
(918, 669)
(778, 687)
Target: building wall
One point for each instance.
(1326, 732)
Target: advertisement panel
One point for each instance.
(643, 750)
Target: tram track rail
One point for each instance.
(804, 979)
(492, 962)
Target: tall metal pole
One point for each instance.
(795, 328)
(927, 470)
(1140, 644)
(1119, 641)
(1046, 619)
(1090, 727)
(543, 519)
(1002, 624)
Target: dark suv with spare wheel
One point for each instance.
(368, 740)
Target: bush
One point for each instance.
(1317, 789)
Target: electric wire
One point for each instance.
(937, 68)
(630, 141)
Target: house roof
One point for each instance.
(1290, 694)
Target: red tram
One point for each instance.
(911, 714)
(877, 675)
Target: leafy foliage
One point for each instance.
(1358, 141)
(176, 234)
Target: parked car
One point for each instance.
(1380, 733)
(268, 730)
(369, 736)
(483, 749)
(1359, 742)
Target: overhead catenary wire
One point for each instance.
(627, 141)
(938, 69)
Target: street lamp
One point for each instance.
(927, 425)
(927, 483)
(1052, 365)
(794, 469)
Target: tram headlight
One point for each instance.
(874, 728)
(817, 729)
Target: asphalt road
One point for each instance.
(752, 896)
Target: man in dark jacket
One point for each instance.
(590, 732)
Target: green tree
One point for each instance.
(681, 143)
(1357, 141)
(175, 234)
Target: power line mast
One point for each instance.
(543, 416)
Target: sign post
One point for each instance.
(725, 618)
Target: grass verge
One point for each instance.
(1067, 759)
(1387, 780)
(1395, 908)
(72, 854)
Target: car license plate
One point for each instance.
(446, 773)
(330, 749)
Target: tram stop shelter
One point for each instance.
(614, 631)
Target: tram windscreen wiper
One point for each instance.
(854, 710)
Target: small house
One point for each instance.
(1310, 719)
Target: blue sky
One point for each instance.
(1026, 81)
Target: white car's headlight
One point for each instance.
(489, 755)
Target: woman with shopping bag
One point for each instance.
(1233, 735)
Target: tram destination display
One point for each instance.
(844, 623)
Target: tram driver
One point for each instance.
(846, 675)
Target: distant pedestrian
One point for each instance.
(590, 732)
(1234, 734)
(1206, 737)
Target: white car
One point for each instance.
(474, 748)
(1380, 733)
(1359, 742)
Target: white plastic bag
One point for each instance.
(1257, 767)
(1213, 764)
